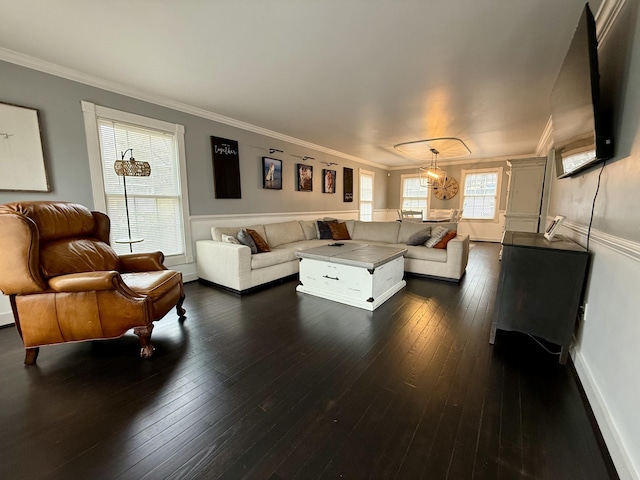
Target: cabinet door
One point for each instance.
(525, 189)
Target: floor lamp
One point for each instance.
(130, 168)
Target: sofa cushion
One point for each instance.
(246, 239)
(276, 256)
(216, 232)
(304, 245)
(339, 231)
(443, 243)
(309, 229)
(437, 234)
(421, 252)
(284, 232)
(350, 224)
(261, 243)
(419, 238)
(379, 231)
(410, 228)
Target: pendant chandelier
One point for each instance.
(446, 147)
(432, 176)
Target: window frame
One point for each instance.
(496, 213)
(403, 177)
(91, 113)
(362, 172)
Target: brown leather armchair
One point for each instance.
(66, 283)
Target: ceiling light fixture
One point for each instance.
(273, 150)
(432, 176)
(306, 157)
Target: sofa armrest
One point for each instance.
(458, 252)
(86, 282)
(142, 262)
(224, 263)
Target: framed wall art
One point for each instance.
(226, 167)
(271, 173)
(304, 177)
(328, 181)
(347, 184)
(22, 165)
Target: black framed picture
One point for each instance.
(305, 177)
(271, 173)
(347, 184)
(226, 167)
(328, 181)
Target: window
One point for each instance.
(480, 193)
(413, 196)
(158, 210)
(366, 195)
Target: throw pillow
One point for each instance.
(324, 232)
(229, 239)
(260, 242)
(419, 238)
(437, 234)
(443, 243)
(245, 239)
(339, 231)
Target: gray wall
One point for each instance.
(61, 120)
(455, 171)
(616, 210)
(606, 354)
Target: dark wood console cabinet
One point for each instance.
(540, 287)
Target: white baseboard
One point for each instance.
(618, 453)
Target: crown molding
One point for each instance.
(606, 16)
(76, 76)
(546, 140)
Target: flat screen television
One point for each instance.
(581, 131)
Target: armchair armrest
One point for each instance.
(142, 262)
(89, 281)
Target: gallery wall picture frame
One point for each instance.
(328, 181)
(304, 177)
(226, 167)
(22, 162)
(347, 184)
(271, 173)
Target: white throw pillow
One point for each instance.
(230, 239)
(437, 234)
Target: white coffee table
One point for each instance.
(363, 276)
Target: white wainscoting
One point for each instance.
(606, 353)
(201, 224)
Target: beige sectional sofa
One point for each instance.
(234, 267)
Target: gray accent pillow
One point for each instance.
(245, 239)
(419, 238)
(437, 234)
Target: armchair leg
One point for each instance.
(31, 355)
(144, 333)
(181, 311)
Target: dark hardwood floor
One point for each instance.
(280, 385)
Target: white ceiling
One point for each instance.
(355, 76)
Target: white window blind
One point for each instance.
(480, 195)
(366, 196)
(414, 196)
(155, 201)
